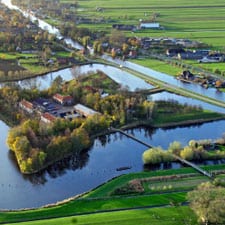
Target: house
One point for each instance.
(84, 110)
(193, 55)
(187, 75)
(149, 25)
(124, 27)
(62, 99)
(47, 118)
(210, 59)
(175, 51)
(26, 106)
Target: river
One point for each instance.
(126, 80)
(99, 164)
(211, 92)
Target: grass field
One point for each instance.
(154, 216)
(157, 65)
(202, 20)
(99, 200)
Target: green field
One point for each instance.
(163, 216)
(100, 201)
(202, 20)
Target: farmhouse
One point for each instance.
(124, 27)
(62, 99)
(27, 106)
(47, 118)
(84, 110)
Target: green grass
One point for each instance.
(107, 188)
(162, 118)
(160, 66)
(201, 21)
(154, 216)
(173, 185)
(92, 206)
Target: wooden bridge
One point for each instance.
(183, 161)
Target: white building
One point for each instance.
(148, 25)
(84, 110)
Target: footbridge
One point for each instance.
(183, 161)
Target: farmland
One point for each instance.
(162, 201)
(200, 20)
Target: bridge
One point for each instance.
(183, 161)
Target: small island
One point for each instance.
(64, 120)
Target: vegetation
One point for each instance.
(163, 216)
(196, 150)
(36, 145)
(100, 199)
(207, 201)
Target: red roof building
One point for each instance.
(62, 99)
(27, 106)
(47, 118)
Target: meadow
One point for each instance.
(201, 20)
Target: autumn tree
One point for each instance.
(156, 155)
(207, 201)
(175, 147)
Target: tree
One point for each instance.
(175, 147)
(156, 155)
(207, 201)
(117, 38)
(187, 153)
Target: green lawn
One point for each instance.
(154, 216)
(83, 206)
(162, 118)
(158, 65)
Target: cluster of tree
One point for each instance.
(36, 146)
(156, 155)
(207, 202)
(195, 150)
(19, 33)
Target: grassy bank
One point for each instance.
(99, 199)
(155, 216)
(176, 119)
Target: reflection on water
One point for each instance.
(79, 174)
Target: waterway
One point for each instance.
(99, 164)
(211, 92)
(126, 80)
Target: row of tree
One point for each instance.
(195, 150)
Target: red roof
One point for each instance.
(62, 98)
(48, 117)
(26, 104)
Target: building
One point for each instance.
(47, 118)
(63, 99)
(26, 106)
(149, 25)
(84, 110)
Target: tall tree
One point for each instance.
(207, 201)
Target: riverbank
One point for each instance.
(100, 199)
